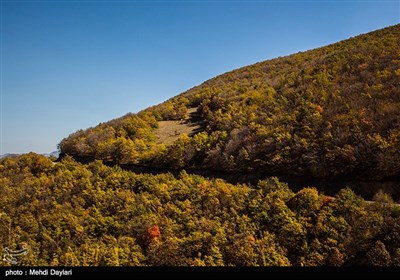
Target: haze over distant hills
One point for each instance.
(8, 155)
(52, 154)
(328, 113)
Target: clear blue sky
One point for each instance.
(67, 65)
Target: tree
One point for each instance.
(378, 255)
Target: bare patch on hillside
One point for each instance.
(169, 131)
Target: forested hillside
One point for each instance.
(69, 213)
(327, 114)
(331, 112)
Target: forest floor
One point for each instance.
(169, 131)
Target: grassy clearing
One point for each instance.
(169, 131)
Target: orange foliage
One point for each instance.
(153, 233)
(319, 109)
(251, 239)
(327, 200)
(362, 66)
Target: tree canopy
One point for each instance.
(69, 213)
(330, 112)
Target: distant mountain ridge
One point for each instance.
(52, 154)
(8, 155)
(331, 112)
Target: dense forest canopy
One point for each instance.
(331, 112)
(69, 213)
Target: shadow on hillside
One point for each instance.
(169, 131)
(365, 189)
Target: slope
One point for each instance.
(331, 112)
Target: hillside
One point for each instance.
(169, 131)
(72, 214)
(327, 113)
(331, 114)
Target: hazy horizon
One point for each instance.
(71, 65)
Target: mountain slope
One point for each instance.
(326, 113)
(72, 214)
